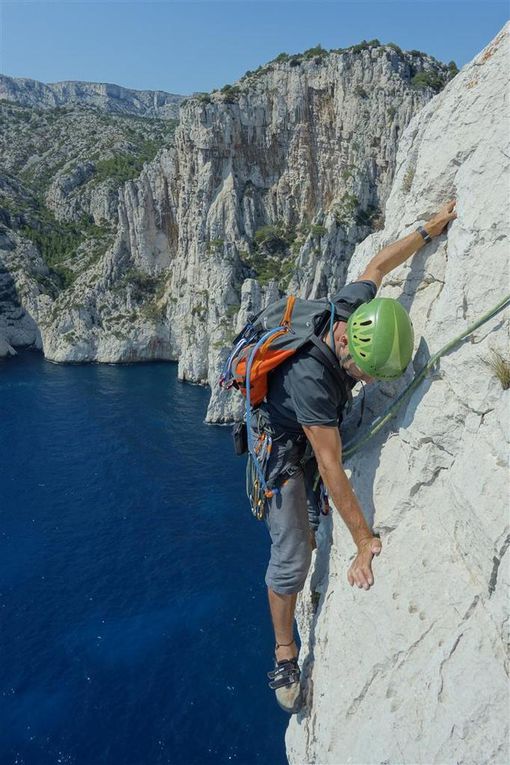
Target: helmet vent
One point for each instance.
(366, 323)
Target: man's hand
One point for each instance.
(395, 254)
(360, 572)
(437, 224)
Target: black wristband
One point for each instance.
(426, 236)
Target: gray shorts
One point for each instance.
(290, 514)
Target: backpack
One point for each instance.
(271, 337)
(266, 341)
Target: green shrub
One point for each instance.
(203, 98)
(282, 58)
(268, 268)
(296, 246)
(317, 52)
(144, 285)
(363, 45)
(274, 238)
(391, 112)
(396, 48)
(452, 69)
(65, 275)
(500, 366)
(230, 93)
(318, 230)
(428, 79)
(153, 312)
(345, 210)
(55, 243)
(259, 71)
(125, 167)
(271, 259)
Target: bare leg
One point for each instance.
(282, 613)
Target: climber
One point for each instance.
(303, 407)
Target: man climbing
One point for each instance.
(304, 404)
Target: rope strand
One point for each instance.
(381, 421)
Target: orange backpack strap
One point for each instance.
(287, 314)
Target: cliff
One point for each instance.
(61, 171)
(268, 185)
(415, 669)
(105, 96)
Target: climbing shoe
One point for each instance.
(284, 680)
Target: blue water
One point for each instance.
(134, 627)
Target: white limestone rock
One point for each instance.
(416, 669)
(312, 145)
(25, 293)
(101, 95)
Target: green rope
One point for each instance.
(381, 421)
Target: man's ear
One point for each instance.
(344, 341)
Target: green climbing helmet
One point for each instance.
(381, 338)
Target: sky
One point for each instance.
(184, 47)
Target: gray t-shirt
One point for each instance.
(303, 390)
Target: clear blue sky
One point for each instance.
(183, 47)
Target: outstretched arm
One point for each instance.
(327, 447)
(398, 252)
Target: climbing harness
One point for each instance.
(380, 422)
(250, 361)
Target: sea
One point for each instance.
(134, 621)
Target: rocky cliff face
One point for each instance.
(415, 670)
(60, 176)
(268, 185)
(108, 98)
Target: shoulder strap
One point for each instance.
(325, 355)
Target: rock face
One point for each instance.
(102, 95)
(61, 171)
(414, 670)
(269, 184)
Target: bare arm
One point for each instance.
(398, 252)
(327, 448)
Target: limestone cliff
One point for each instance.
(415, 670)
(269, 184)
(61, 171)
(109, 98)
